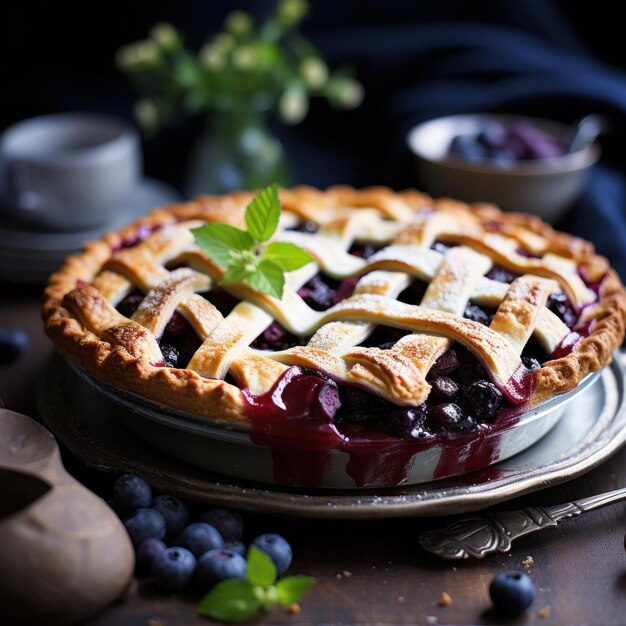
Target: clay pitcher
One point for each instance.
(64, 554)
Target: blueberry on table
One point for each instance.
(145, 524)
(146, 552)
(512, 593)
(215, 566)
(277, 548)
(173, 569)
(131, 492)
(174, 511)
(228, 523)
(12, 344)
(200, 537)
(236, 546)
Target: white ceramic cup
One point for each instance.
(68, 171)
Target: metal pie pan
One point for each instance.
(230, 450)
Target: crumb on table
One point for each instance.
(444, 599)
(293, 609)
(528, 561)
(543, 613)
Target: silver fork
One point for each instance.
(478, 535)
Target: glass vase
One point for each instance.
(236, 151)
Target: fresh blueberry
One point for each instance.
(236, 546)
(12, 344)
(215, 566)
(512, 593)
(277, 548)
(132, 492)
(174, 511)
(451, 417)
(408, 423)
(145, 524)
(445, 387)
(228, 523)
(482, 398)
(447, 363)
(173, 569)
(476, 314)
(200, 537)
(147, 551)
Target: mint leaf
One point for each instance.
(225, 234)
(230, 601)
(261, 568)
(262, 214)
(293, 588)
(268, 278)
(287, 256)
(237, 272)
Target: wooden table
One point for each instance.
(374, 572)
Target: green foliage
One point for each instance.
(238, 599)
(269, 65)
(244, 254)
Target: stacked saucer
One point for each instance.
(30, 256)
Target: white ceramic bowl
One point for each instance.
(544, 187)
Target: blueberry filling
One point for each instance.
(320, 293)
(305, 227)
(275, 337)
(561, 306)
(501, 275)
(363, 250)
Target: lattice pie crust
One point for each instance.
(82, 320)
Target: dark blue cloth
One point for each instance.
(527, 59)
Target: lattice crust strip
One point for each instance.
(455, 278)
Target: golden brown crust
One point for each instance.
(123, 355)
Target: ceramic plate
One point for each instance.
(590, 431)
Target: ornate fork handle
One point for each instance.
(479, 535)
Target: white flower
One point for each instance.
(314, 72)
(165, 35)
(244, 58)
(212, 57)
(238, 23)
(293, 105)
(348, 92)
(147, 114)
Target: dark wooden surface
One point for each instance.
(373, 572)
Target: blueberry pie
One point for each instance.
(418, 319)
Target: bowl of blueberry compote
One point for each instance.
(520, 163)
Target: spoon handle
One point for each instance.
(479, 535)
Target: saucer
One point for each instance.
(29, 256)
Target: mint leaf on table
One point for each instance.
(244, 254)
(231, 600)
(238, 599)
(262, 214)
(293, 588)
(261, 568)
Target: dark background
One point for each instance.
(416, 59)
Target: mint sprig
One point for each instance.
(238, 599)
(245, 255)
